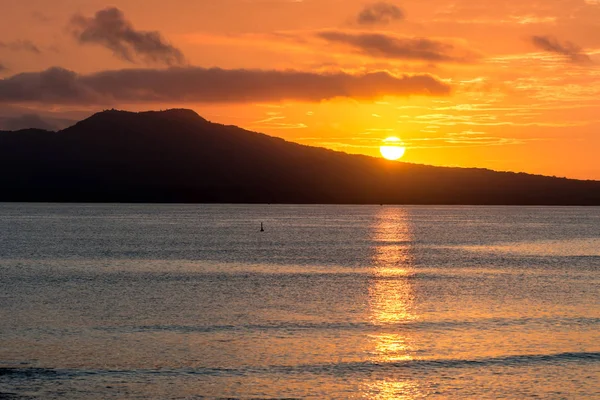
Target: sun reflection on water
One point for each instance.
(391, 301)
(391, 295)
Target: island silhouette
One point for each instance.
(178, 156)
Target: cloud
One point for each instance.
(40, 17)
(25, 121)
(380, 13)
(20, 45)
(194, 84)
(3, 68)
(567, 49)
(110, 29)
(390, 47)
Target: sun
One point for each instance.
(392, 149)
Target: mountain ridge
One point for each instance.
(178, 156)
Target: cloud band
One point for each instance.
(195, 84)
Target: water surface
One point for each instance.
(365, 302)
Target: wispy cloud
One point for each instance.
(194, 84)
(432, 142)
(488, 120)
(570, 50)
(41, 17)
(21, 45)
(380, 13)
(391, 47)
(111, 29)
(276, 120)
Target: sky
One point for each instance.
(507, 85)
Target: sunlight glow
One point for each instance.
(392, 149)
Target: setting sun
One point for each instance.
(392, 149)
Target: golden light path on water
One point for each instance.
(391, 302)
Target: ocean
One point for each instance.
(330, 302)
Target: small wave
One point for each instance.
(576, 247)
(12, 396)
(27, 372)
(425, 364)
(350, 368)
(482, 324)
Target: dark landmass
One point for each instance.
(177, 156)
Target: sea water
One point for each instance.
(346, 302)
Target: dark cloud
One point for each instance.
(193, 84)
(391, 47)
(111, 29)
(25, 121)
(380, 13)
(20, 45)
(570, 50)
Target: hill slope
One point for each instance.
(177, 156)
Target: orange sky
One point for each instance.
(506, 85)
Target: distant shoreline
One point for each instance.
(178, 157)
(75, 202)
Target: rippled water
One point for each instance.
(192, 301)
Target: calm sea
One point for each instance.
(344, 302)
